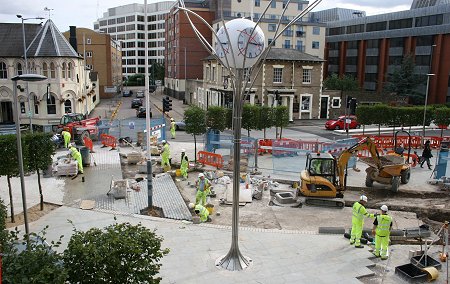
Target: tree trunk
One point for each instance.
(264, 133)
(11, 203)
(40, 190)
(379, 129)
(248, 132)
(281, 131)
(195, 149)
(364, 128)
(276, 132)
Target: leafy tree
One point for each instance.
(215, 118)
(342, 83)
(265, 119)
(363, 114)
(281, 118)
(159, 70)
(249, 117)
(195, 119)
(40, 152)
(403, 81)
(120, 253)
(39, 264)
(442, 118)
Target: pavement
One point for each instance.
(294, 252)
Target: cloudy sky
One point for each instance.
(82, 13)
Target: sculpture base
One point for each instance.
(233, 261)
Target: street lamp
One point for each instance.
(25, 78)
(26, 62)
(426, 91)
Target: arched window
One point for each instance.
(36, 105)
(69, 71)
(52, 70)
(45, 69)
(63, 70)
(3, 71)
(51, 104)
(32, 68)
(68, 106)
(19, 69)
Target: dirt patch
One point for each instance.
(33, 214)
(154, 211)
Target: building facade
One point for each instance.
(70, 88)
(371, 47)
(102, 55)
(288, 77)
(126, 24)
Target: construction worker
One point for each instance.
(165, 155)
(201, 211)
(66, 135)
(381, 231)
(77, 157)
(359, 212)
(172, 128)
(203, 185)
(184, 164)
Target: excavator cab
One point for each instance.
(322, 164)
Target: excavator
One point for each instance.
(324, 180)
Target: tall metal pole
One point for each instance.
(185, 74)
(26, 72)
(426, 92)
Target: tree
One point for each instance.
(403, 81)
(195, 119)
(249, 117)
(119, 253)
(442, 118)
(159, 70)
(343, 83)
(281, 118)
(363, 114)
(40, 152)
(265, 119)
(215, 118)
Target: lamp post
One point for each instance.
(426, 91)
(26, 63)
(25, 78)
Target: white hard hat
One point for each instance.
(384, 208)
(363, 198)
(183, 150)
(172, 119)
(164, 141)
(191, 205)
(70, 145)
(201, 175)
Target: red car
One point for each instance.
(341, 123)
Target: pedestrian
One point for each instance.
(172, 128)
(426, 155)
(359, 213)
(201, 211)
(381, 231)
(184, 164)
(165, 156)
(67, 137)
(77, 157)
(203, 185)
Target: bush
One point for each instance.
(120, 253)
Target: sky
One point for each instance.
(83, 13)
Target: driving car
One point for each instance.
(343, 122)
(127, 93)
(140, 94)
(141, 112)
(180, 125)
(136, 103)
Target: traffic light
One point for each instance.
(167, 104)
(349, 99)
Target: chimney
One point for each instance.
(73, 37)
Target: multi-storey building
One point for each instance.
(102, 54)
(69, 87)
(371, 47)
(126, 24)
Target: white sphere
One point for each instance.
(240, 32)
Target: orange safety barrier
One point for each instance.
(88, 143)
(265, 143)
(208, 158)
(108, 141)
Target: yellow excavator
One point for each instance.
(324, 180)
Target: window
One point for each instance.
(355, 29)
(429, 20)
(273, 4)
(316, 30)
(63, 70)
(67, 106)
(337, 31)
(257, 3)
(51, 104)
(111, 21)
(19, 69)
(52, 70)
(277, 75)
(88, 53)
(3, 71)
(315, 45)
(22, 107)
(272, 27)
(400, 24)
(396, 42)
(69, 71)
(335, 102)
(378, 26)
(306, 76)
(424, 40)
(130, 18)
(300, 6)
(36, 105)
(371, 60)
(45, 69)
(287, 44)
(373, 43)
(306, 103)
(88, 40)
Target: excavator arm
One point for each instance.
(343, 158)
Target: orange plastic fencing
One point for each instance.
(263, 143)
(387, 141)
(208, 158)
(108, 141)
(88, 143)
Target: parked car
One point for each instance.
(341, 123)
(180, 125)
(136, 103)
(141, 112)
(140, 94)
(127, 93)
